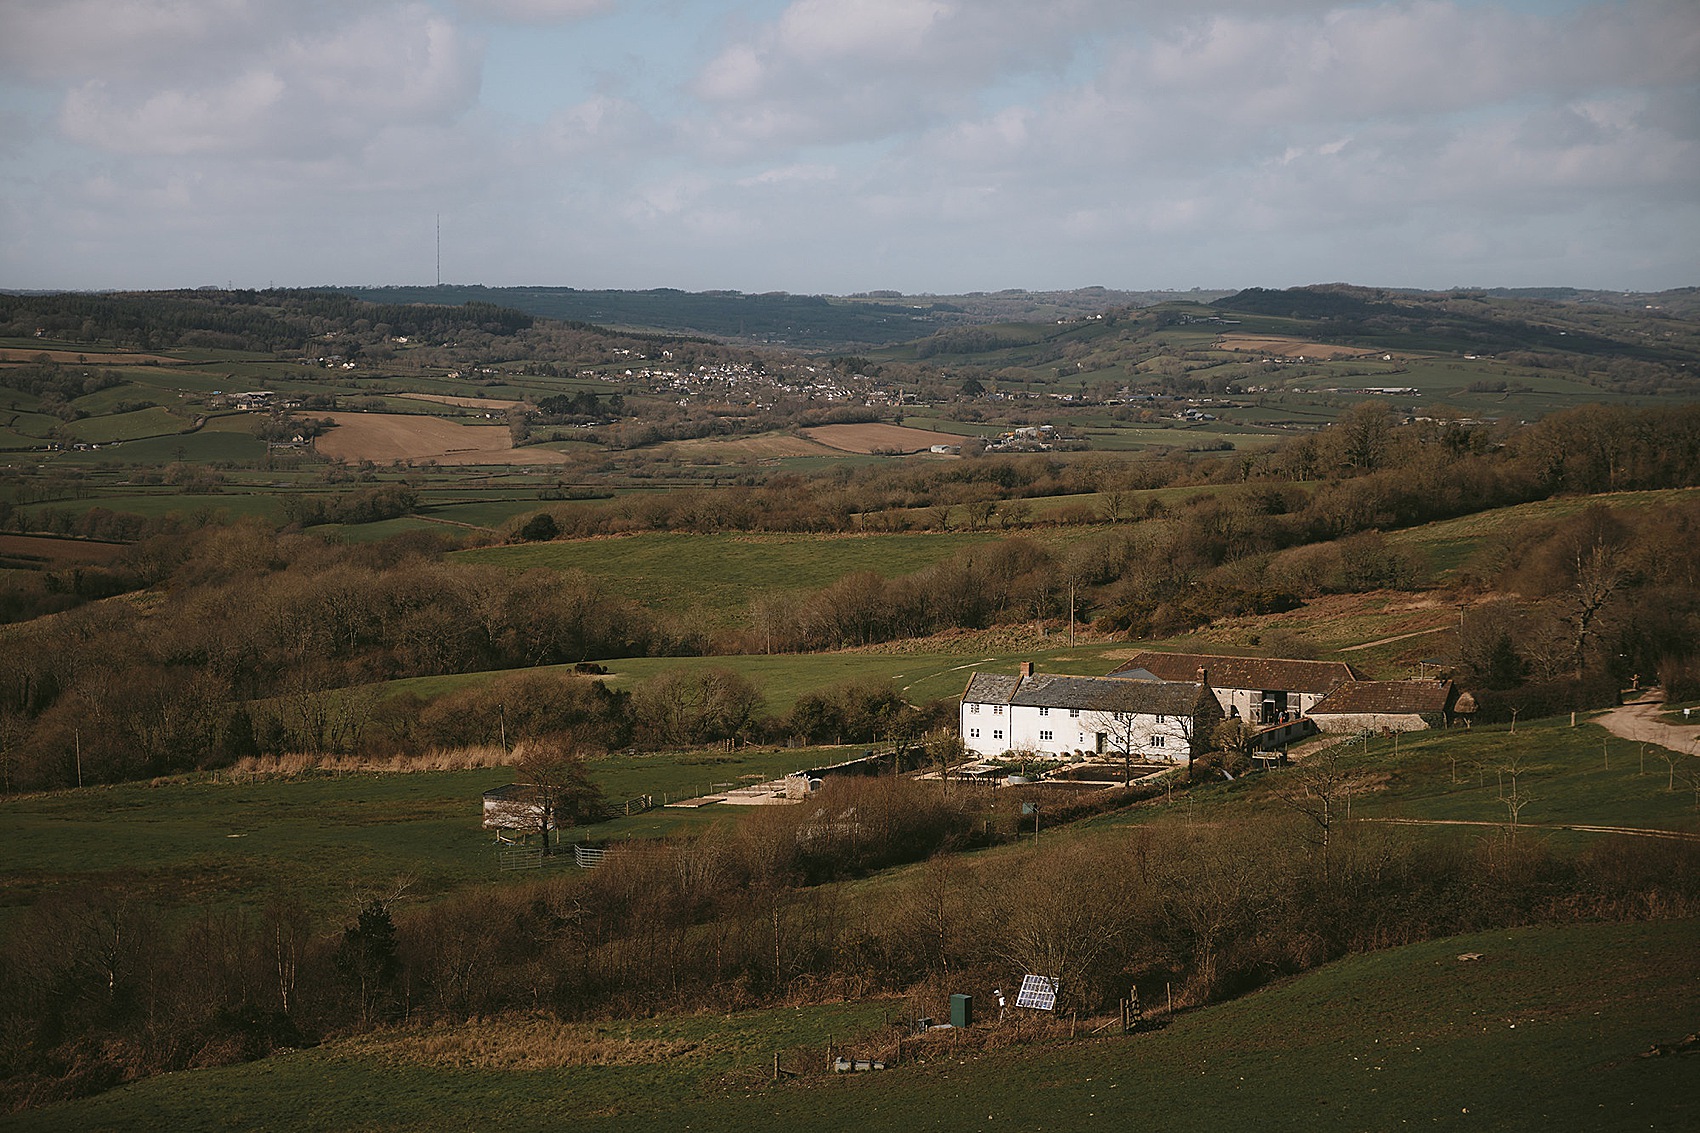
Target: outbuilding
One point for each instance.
(1394, 706)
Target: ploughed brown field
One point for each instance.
(879, 438)
(462, 402)
(1282, 347)
(386, 437)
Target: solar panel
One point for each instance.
(1038, 993)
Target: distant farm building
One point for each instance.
(1259, 690)
(513, 806)
(1398, 706)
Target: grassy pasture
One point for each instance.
(197, 841)
(921, 677)
(383, 529)
(491, 513)
(104, 400)
(1571, 776)
(166, 501)
(104, 429)
(722, 573)
(1542, 1033)
(213, 840)
(1449, 543)
(208, 446)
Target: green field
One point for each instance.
(1541, 1033)
(141, 423)
(921, 677)
(215, 840)
(1448, 544)
(209, 446)
(1571, 775)
(167, 501)
(1453, 782)
(723, 573)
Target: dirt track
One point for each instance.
(460, 402)
(1633, 831)
(1639, 721)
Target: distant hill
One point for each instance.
(1559, 320)
(803, 322)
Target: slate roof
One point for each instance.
(1262, 673)
(1095, 694)
(1390, 698)
(990, 688)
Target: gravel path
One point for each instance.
(1639, 720)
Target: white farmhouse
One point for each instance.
(1062, 715)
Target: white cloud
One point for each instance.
(833, 71)
(536, 11)
(181, 77)
(604, 126)
(48, 40)
(791, 175)
(862, 31)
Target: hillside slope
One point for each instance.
(1546, 1029)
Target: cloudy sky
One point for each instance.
(830, 146)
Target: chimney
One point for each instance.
(1026, 669)
(1203, 675)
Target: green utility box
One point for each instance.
(961, 1010)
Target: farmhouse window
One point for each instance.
(997, 710)
(1073, 712)
(1159, 741)
(1046, 735)
(1161, 718)
(973, 733)
(973, 708)
(1044, 711)
(998, 734)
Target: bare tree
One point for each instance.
(1123, 732)
(1512, 794)
(1600, 568)
(1320, 789)
(945, 749)
(1065, 916)
(1673, 759)
(556, 787)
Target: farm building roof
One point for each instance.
(990, 688)
(1261, 673)
(1096, 694)
(1108, 694)
(1389, 698)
